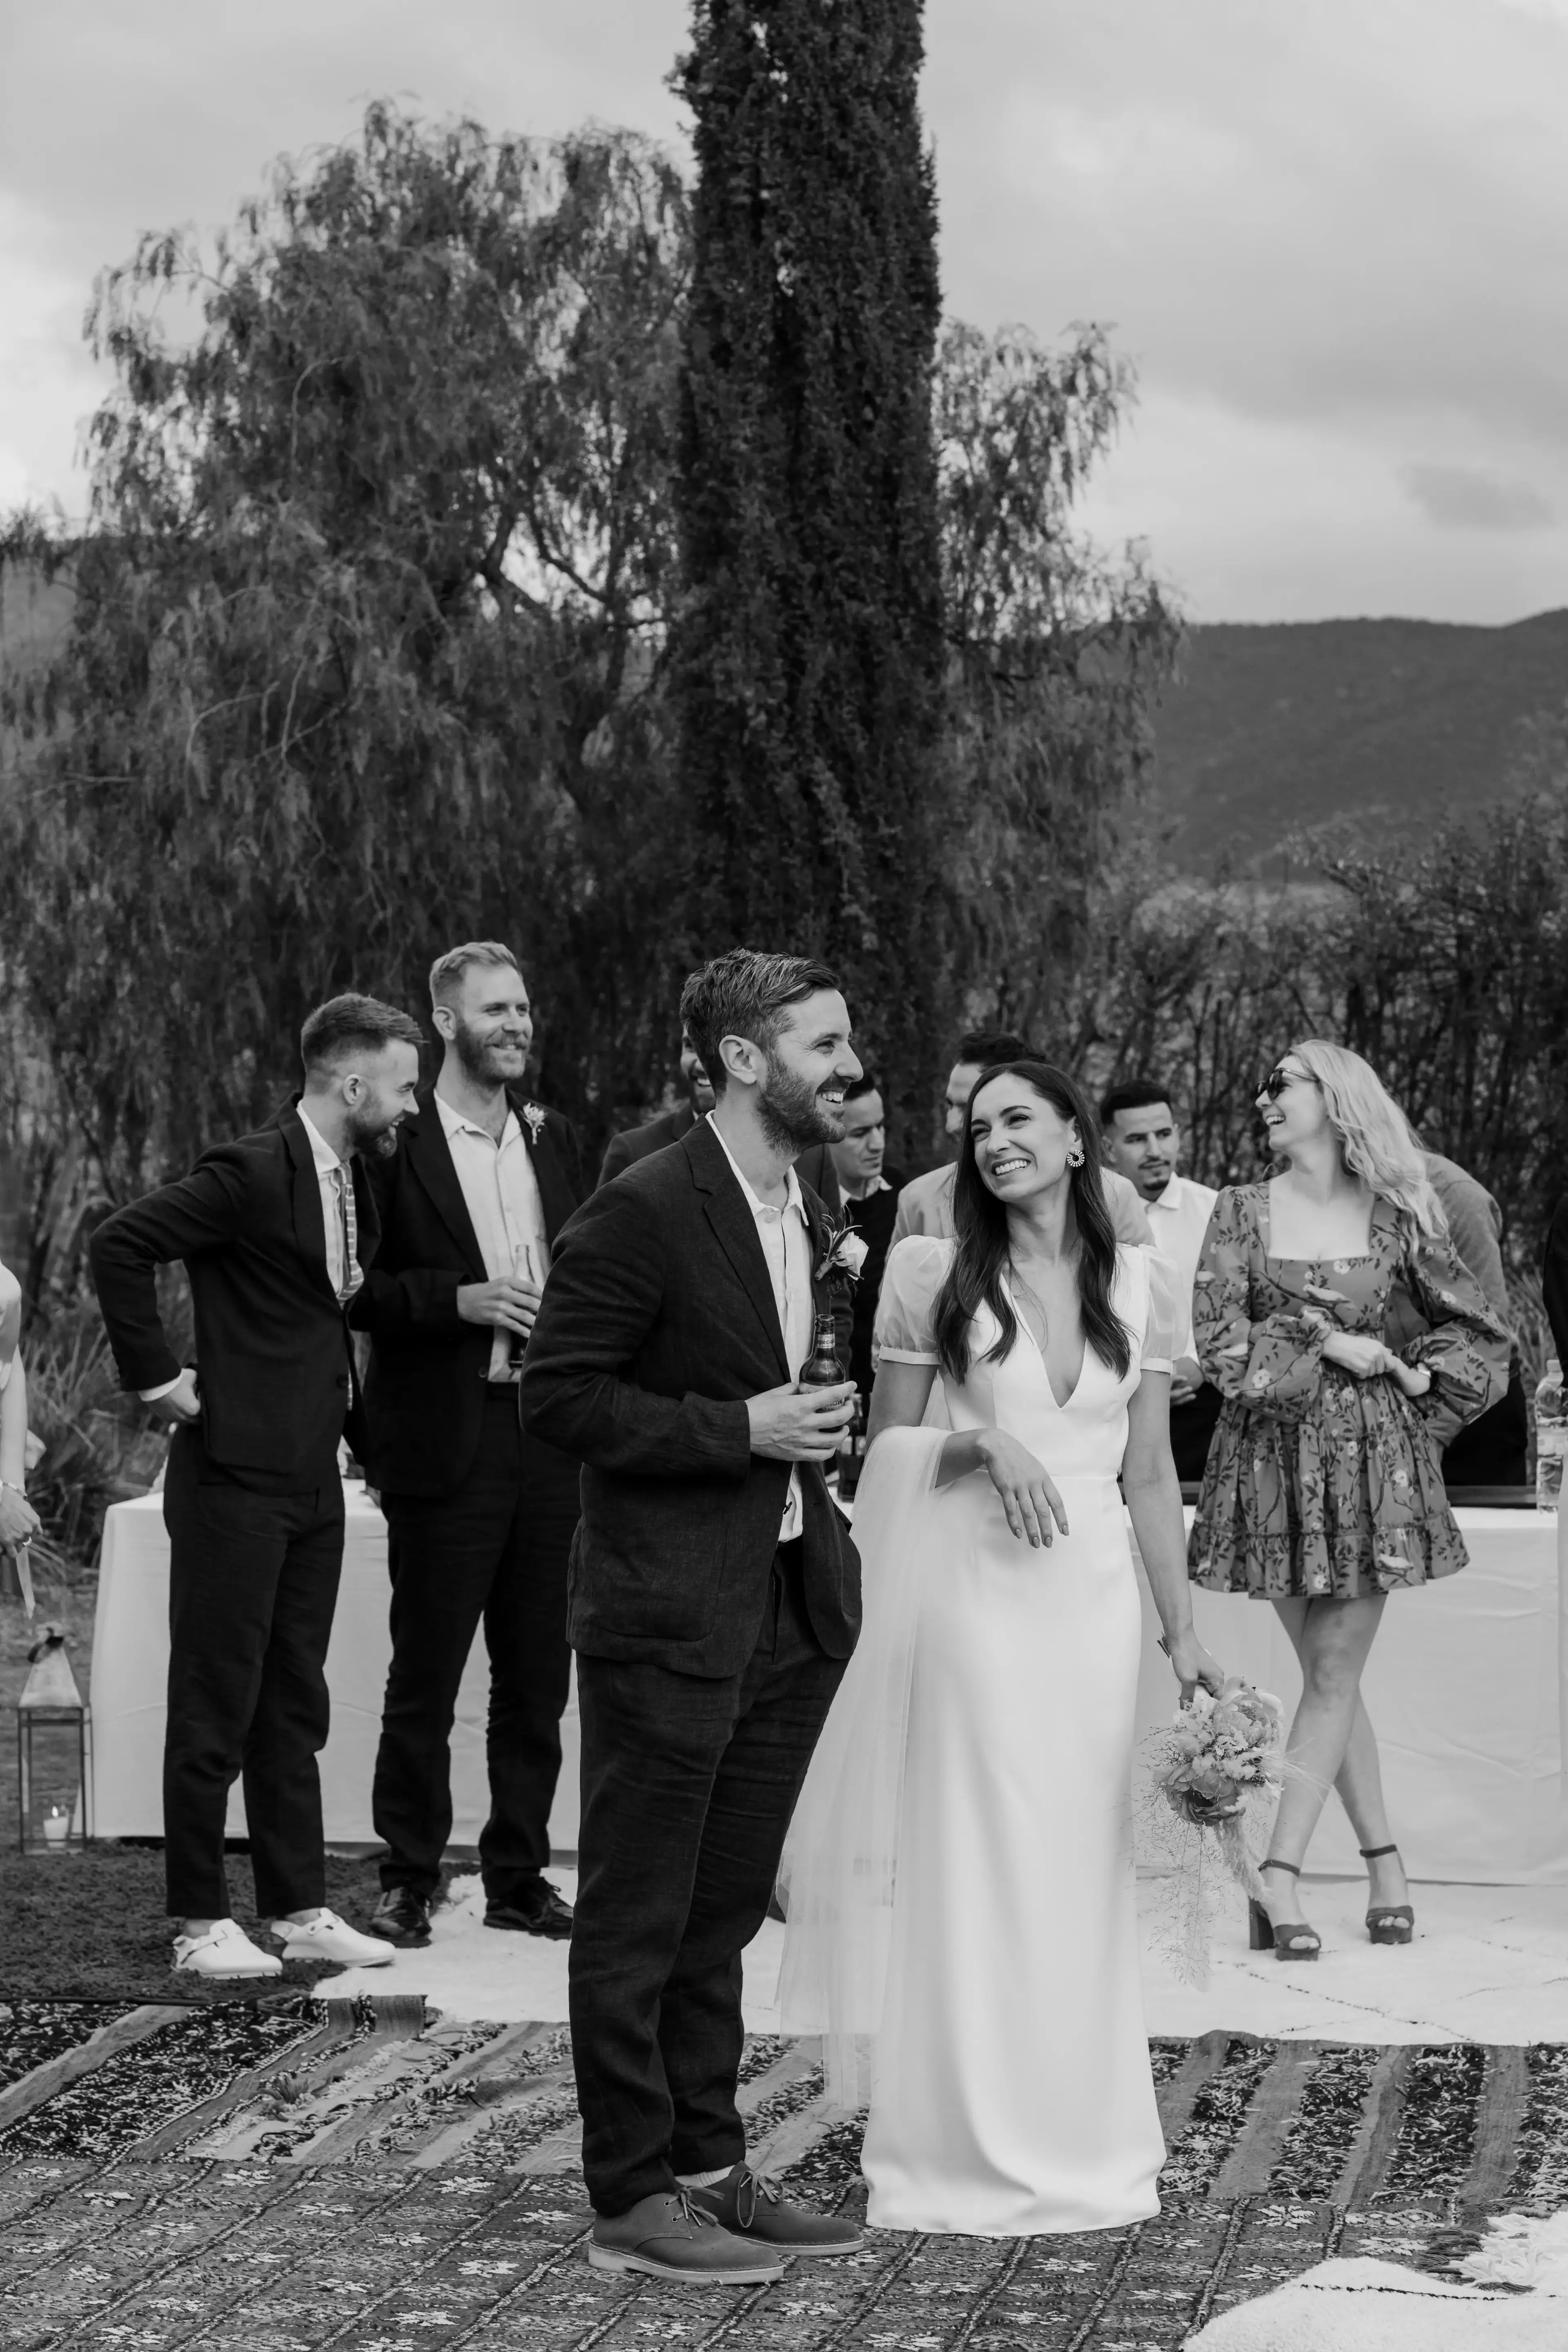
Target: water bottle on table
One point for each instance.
(1550, 1437)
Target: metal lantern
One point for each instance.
(54, 1752)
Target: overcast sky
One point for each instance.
(1333, 234)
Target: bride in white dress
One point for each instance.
(958, 1878)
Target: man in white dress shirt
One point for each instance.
(1142, 1144)
(480, 1516)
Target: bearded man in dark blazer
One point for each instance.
(480, 1516)
(635, 1143)
(715, 1598)
(275, 1231)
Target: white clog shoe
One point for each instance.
(225, 1950)
(328, 1938)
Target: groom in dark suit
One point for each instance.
(275, 1231)
(715, 1598)
(480, 1516)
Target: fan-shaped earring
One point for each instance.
(1075, 1155)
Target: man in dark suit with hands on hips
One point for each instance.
(274, 1232)
(480, 1516)
(714, 1601)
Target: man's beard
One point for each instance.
(794, 1116)
(377, 1141)
(483, 1060)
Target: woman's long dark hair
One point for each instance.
(975, 1280)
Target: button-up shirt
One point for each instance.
(1180, 1218)
(785, 1238)
(328, 1165)
(501, 1192)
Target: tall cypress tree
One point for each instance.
(809, 657)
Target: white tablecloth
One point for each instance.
(1462, 1687)
(130, 1671)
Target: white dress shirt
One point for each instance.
(786, 1238)
(1180, 1218)
(327, 1167)
(501, 1192)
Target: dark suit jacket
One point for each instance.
(658, 1321)
(637, 1142)
(815, 1167)
(274, 1363)
(425, 1391)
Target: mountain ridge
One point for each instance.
(1277, 725)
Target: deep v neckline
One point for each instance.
(1061, 1404)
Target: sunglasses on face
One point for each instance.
(1274, 1084)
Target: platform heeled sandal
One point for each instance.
(1387, 1923)
(1292, 1940)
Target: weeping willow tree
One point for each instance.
(366, 632)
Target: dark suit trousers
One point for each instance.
(253, 1582)
(496, 1550)
(688, 1789)
(1493, 1450)
(1192, 1432)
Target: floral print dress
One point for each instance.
(1318, 1483)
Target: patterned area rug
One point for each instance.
(291, 2175)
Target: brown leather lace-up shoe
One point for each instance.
(671, 2236)
(750, 2207)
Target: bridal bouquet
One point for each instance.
(1210, 1770)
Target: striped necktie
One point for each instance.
(348, 1232)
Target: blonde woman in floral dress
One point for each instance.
(1323, 1492)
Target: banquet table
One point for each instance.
(130, 1668)
(1463, 1689)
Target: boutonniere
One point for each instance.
(533, 1119)
(844, 1253)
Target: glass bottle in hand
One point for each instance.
(821, 1369)
(522, 1268)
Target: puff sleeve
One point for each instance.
(1465, 1350)
(1273, 1364)
(915, 1270)
(10, 1322)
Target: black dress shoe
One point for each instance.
(402, 1917)
(536, 1911)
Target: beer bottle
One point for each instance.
(821, 1368)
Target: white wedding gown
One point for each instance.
(959, 1877)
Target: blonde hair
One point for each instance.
(1378, 1141)
(447, 971)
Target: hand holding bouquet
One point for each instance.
(1219, 1759)
(1217, 1751)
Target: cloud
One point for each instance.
(1458, 498)
(1329, 236)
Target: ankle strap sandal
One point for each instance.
(1290, 1939)
(1387, 1923)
